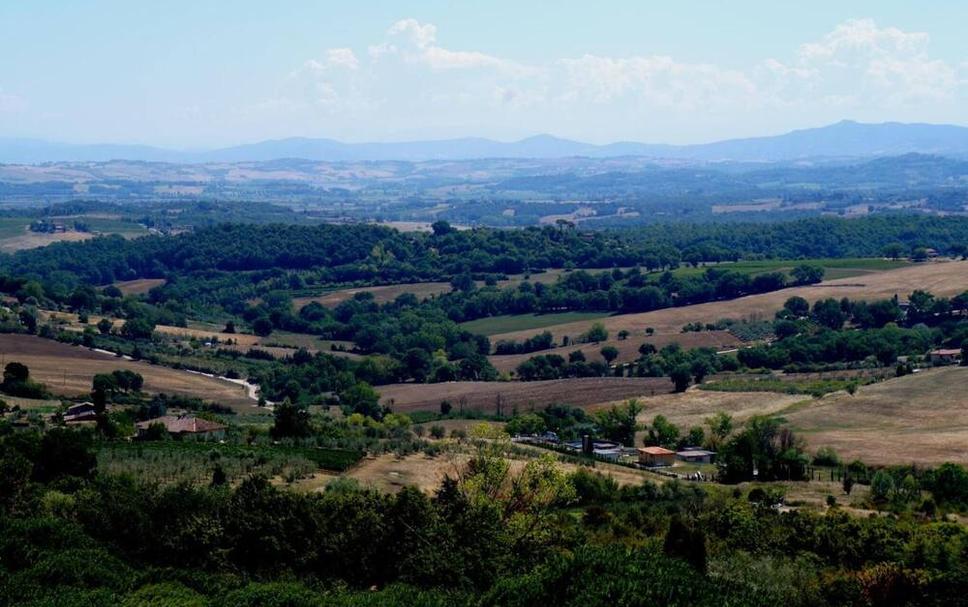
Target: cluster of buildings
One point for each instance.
(659, 457)
(646, 457)
(180, 425)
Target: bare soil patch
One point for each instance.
(33, 240)
(920, 418)
(68, 371)
(139, 286)
(391, 473)
(485, 396)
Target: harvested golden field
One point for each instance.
(628, 349)
(391, 473)
(139, 286)
(70, 321)
(422, 290)
(690, 408)
(920, 418)
(485, 396)
(941, 278)
(33, 240)
(382, 294)
(68, 371)
(242, 339)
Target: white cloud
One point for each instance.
(342, 57)
(658, 80)
(418, 44)
(422, 35)
(871, 65)
(857, 70)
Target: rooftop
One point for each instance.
(182, 424)
(656, 451)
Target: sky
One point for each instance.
(200, 74)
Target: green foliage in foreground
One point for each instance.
(72, 535)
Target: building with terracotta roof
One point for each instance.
(184, 425)
(944, 356)
(654, 457)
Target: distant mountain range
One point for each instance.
(846, 139)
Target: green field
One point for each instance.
(505, 324)
(192, 461)
(834, 268)
(128, 229)
(11, 227)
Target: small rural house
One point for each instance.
(944, 356)
(654, 457)
(184, 426)
(696, 456)
(81, 412)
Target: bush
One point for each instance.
(826, 456)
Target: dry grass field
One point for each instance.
(484, 396)
(33, 240)
(68, 371)
(390, 473)
(941, 278)
(69, 320)
(382, 294)
(139, 286)
(920, 418)
(628, 349)
(422, 290)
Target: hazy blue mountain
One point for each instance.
(845, 139)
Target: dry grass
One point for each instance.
(391, 473)
(484, 396)
(68, 371)
(628, 349)
(139, 286)
(33, 240)
(382, 294)
(941, 278)
(920, 418)
(422, 290)
(70, 321)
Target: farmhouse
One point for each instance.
(81, 412)
(696, 456)
(654, 457)
(944, 356)
(184, 425)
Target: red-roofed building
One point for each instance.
(945, 356)
(184, 425)
(656, 456)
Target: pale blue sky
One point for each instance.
(204, 73)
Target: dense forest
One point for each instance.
(340, 253)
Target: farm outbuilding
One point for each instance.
(945, 356)
(81, 412)
(655, 457)
(696, 456)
